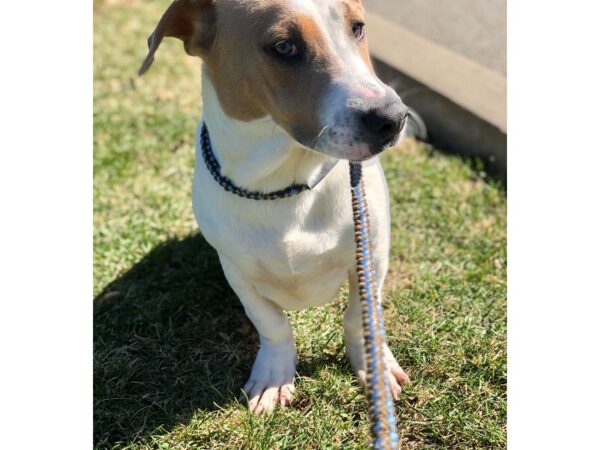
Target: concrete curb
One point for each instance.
(462, 102)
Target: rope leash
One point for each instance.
(381, 405)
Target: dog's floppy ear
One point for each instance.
(192, 21)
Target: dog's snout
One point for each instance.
(382, 124)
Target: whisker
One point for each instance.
(316, 141)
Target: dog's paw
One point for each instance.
(271, 382)
(396, 375)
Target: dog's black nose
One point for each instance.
(383, 124)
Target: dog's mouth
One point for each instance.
(346, 143)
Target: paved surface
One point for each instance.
(473, 28)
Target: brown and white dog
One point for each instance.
(288, 88)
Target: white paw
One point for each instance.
(272, 379)
(396, 376)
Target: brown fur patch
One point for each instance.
(251, 82)
(353, 12)
(192, 21)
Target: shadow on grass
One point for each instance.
(170, 338)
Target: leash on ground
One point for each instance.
(381, 404)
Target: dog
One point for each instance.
(289, 97)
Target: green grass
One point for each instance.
(172, 346)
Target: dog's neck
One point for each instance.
(257, 155)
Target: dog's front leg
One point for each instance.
(272, 377)
(353, 332)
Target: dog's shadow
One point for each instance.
(170, 337)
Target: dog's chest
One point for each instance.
(305, 269)
(297, 252)
(297, 256)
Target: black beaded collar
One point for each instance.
(214, 168)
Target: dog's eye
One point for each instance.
(358, 29)
(285, 49)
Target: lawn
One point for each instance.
(172, 346)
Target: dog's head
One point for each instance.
(303, 62)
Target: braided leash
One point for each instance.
(381, 405)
